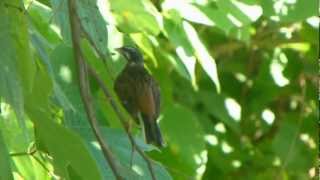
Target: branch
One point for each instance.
(122, 120)
(85, 90)
(31, 153)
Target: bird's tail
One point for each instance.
(152, 132)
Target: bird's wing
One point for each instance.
(156, 94)
(124, 90)
(146, 101)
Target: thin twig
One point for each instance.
(85, 90)
(122, 120)
(32, 153)
(24, 153)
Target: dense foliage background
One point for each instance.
(238, 81)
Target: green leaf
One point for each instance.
(291, 144)
(173, 30)
(205, 60)
(74, 152)
(136, 16)
(223, 108)
(40, 16)
(242, 34)
(43, 48)
(16, 64)
(240, 13)
(13, 136)
(5, 169)
(122, 148)
(51, 135)
(93, 23)
(289, 11)
(178, 65)
(145, 45)
(91, 18)
(61, 18)
(226, 14)
(185, 139)
(188, 11)
(219, 18)
(75, 118)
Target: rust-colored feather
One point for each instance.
(146, 102)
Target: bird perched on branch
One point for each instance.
(139, 94)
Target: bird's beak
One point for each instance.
(118, 50)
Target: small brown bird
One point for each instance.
(139, 94)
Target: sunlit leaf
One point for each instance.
(291, 144)
(145, 45)
(5, 169)
(188, 11)
(177, 36)
(206, 61)
(136, 16)
(185, 141)
(93, 23)
(40, 16)
(122, 149)
(289, 11)
(16, 64)
(52, 135)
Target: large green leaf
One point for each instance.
(185, 140)
(136, 16)
(205, 60)
(75, 117)
(24, 165)
(61, 18)
(223, 108)
(240, 13)
(290, 11)
(177, 64)
(122, 148)
(66, 147)
(174, 31)
(40, 16)
(225, 14)
(89, 13)
(188, 11)
(94, 23)
(43, 48)
(294, 145)
(5, 169)
(16, 64)
(145, 45)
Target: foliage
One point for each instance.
(238, 82)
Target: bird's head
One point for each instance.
(131, 54)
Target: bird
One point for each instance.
(139, 93)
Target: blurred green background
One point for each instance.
(238, 80)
